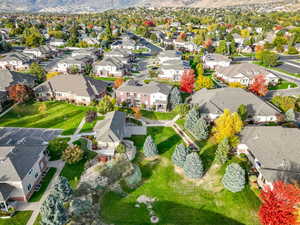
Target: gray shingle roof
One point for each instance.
(247, 69)
(216, 57)
(276, 148)
(16, 161)
(152, 87)
(216, 100)
(111, 61)
(5, 190)
(76, 84)
(112, 128)
(8, 78)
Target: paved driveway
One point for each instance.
(32, 136)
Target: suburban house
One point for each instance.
(215, 60)
(79, 61)
(172, 69)
(168, 55)
(123, 55)
(24, 160)
(153, 96)
(238, 39)
(213, 102)
(57, 42)
(273, 151)
(110, 66)
(111, 131)
(126, 43)
(9, 78)
(244, 73)
(41, 52)
(15, 61)
(73, 88)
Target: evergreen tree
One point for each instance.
(290, 115)
(53, 212)
(200, 129)
(234, 178)
(193, 167)
(150, 148)
(191, 119)
(175, 98)
(62, 189)
(222, 151)
(243, 112)
(179, 155)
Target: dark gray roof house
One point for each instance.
(112, 128)
(140, 87)
(8, 78)
(275, 150)
(214, 101)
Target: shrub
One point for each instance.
(72, 154)
(62, 189)
(90, 116)
(222, 151)
(234, 178)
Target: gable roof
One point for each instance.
(216, 100)
(152, 87)
(8, 78)
(216, 57)
(112, 128)
(5, 190)
(74, 84)
(111, 61)
(247, 69)
(276, 148)
(16, 161)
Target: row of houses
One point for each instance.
(243, 73)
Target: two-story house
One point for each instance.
(79, 62)
(15, 61)
(152, 96)
(110, 66)
(77, 89)
(212, 61)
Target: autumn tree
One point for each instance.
(137, 112)
(279, 204)
(118, 82)
(51, 75)
(187, 81)
(284, 102)
(227, 126)
(20, 93)
(106, 104)
(199, 69)
(72, 154)
(259, 85)
(203, 82)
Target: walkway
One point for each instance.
(35, 206)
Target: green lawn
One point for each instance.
(56, 147)
(283, 85)
(37, 220)
(88, 127)
(44, 184)
(20, 218)
(180, 202)
(73, 171)
(158, 115)
(57, 115)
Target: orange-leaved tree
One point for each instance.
(259, 85)
(187, 81)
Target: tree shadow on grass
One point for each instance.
(169, 143)
(208, 156)
(116, 210)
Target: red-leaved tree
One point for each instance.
(259, 85)
(278, 207)
(19, 92)
(187, 81)
(149, 23)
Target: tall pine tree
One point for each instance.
(193, 167)
(150, 148)
(53, 212)
(175, 98)
(222, 151)
(192, 118)
(234, 178)
(201, 129)
(62, 189)
(179, 155)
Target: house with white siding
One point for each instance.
(212, 61)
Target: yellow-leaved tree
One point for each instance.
(203, 82)
(227, 126)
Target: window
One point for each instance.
(36, 175)
(30, 171)
(28, 187)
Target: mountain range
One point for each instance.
(77, 6)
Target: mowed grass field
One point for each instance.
(179, 201)
(58, 115)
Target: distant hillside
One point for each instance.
(73, 6)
